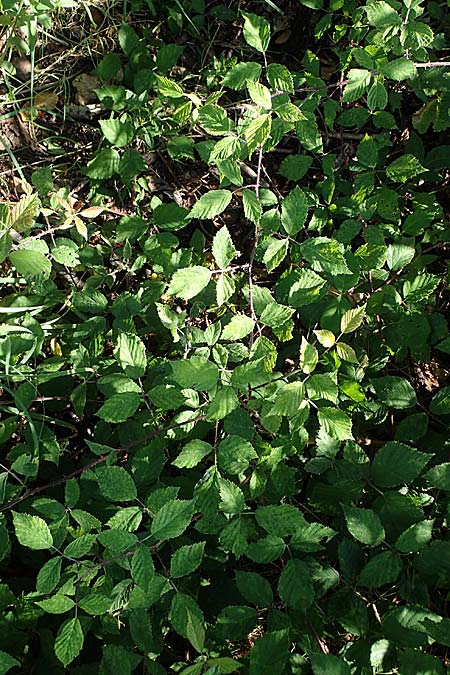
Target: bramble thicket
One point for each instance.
(224, 344)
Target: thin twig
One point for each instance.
(96, 462)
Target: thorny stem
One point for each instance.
(255, 246)
(96, 462)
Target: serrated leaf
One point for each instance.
(381, 13)
(439, 476)
(103, 165)
(275, 253)
(188, 282)
(238, 76)
(257, 132)
(119, 407)
(214, 120)
(358, 82)
(294, 210)
(131, 355)
(69, 641)
(270, 653)
(327, 664)
(295, 585)
(31, 263)
(288, 399)
(309, 357)
(223, 248)
(7, 662)
(382, 569)
(211, 204)
(396, 463)
(224, 402)
(399, 69)
(346, 353)
(116, 484)
(280, 77)
(352, 319)
(186, 560)
(58, 604)
(254, 588)
(395, 392)
(364, 525)
(256, 31)
(232, 498)
(192, 454)
(117, 132)
(294, 167)
(336, 423)
(252, 206)
(238, 328)
(415, 538)
(196, 373)
(404, 168)
(260, 94)
(325, 255)
(23, 213)
(325, 337)
(142, 567)
(32, 531)
(172, 519)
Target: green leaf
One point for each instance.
(270, 654)
(380, 14)
(440, 403)
(256, 31)
(186, 560)
(439, 477)
(335, 423)
(188, 282)
(325, 255)
(69, 641)
(260, 95)
(22, 214)
(280, 78)
(104, 164)
(235, 454)
(214, 120)
(327, 664)
(239, 75)
(224, 402)
(142, 568)
(170, 217)
(252, 206)
(254, 588)
(396, 463)
(196, 373)
(222, 248)
(119, 407)
(116, 484)
(232, 497)
(352, 319)
(377, 96)
(275, 253)
(364, 525)
(395, 392)
(309, 357)
(7, 662)
(211, 204)
(294, 167)
(172, 519)
(117, 132)
(31, 263)
(183, 610)
(382, 569)
(280, 521)
(238, 328)
(131, 355)
(295, 585)
(294, 210)
(359, 81)
(415, 538)
(266, 549)
(404, 169)
(32, 531)
(288, 399)
(95, 604)
(257, 132)
(399, 69)
(192, 454)
(58, 604)
(49, 576)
